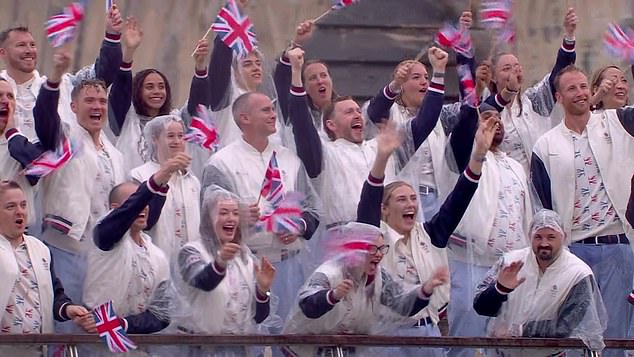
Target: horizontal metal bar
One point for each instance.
(319, 340)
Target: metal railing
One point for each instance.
(317, 340)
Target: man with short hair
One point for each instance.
(85, 181)
(543, 291)
(240, 168)
(19, 53)
(582, 170)
(32, 295)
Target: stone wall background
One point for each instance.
(172, 27)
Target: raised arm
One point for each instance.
(110, 54)
(48, 124)
(369, 207)
(542, 97)
(381, 103)
(282, 72)
(307, 140)
(323, 298)
(445, 221)
(112, 228)
(200, 86)
(411, 302)
(120, 97)
(310, 206)
(626, 116)
(427, 117)
(197, 273)
(220, 75)
(489, 298)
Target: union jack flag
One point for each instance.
(110, 330)
(61, 28)
(468, 85)
(202, 131)
(51, 160)
(285, 218)
(235, 29)
(272, 187)
(340, 4)
(451, 37)
(619, 42)
(494, 14)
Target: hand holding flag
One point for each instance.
(50, 161)
(235, 29)
(110, 329)
(202, 131)
(285, 218)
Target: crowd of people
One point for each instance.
(509, 216)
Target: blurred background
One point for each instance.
(361, 43)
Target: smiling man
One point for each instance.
(75, 195)
(582, 170)
(32, 295)
(543, 291)
(19, 53)
(240, 168)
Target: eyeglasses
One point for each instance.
(373, 249)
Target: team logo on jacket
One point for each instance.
(553, 290)
(45, 264)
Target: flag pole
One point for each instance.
(420, 54)
(204, 37)
(322, 15)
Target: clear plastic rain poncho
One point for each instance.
(230, 307)
(222, 116)
(180, 216)
(563, 301)
(377, 307)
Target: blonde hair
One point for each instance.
(389, 189)
(399, 97)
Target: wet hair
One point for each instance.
(6, 185)
(329, 110)
(571, 68)
(310, 100)
(4, 35)
(597, 78)
(399, 96)
(137, 93)
(493, 88)
(94, 83)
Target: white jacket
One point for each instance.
(68, 192)
(612, 147)
(11, 170)
(188, 187)
(41, 258)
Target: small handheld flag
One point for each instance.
(466, 81)
(285, 218)
(235, 29)
(494, 14)
(619, 42)
(340, 4)
(61, 29)
(52, 160)
(202, 131)
(272, 187)
(110, 329)
(451, 37)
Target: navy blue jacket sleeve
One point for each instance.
(112, 228)
(195, 272)
(541, 181)
(59, 297)
(144, 323)
(48, 124)
(463, 135)
(445, 221)
(282, 77)
(629, 214)
(199, 91)
(23, 151)
(380, 104)
(110, 57)
(489, 302)
(219, 74)
(307, 140)
(565, 57)
(428, 115)
(626, 116)
(369, 207)
(262, 307)
(316, 305)
(401, 302)
(120, 98)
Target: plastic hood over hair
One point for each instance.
(153, 130)
(546, 218)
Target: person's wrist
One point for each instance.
(479, 156)
(439, 73)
